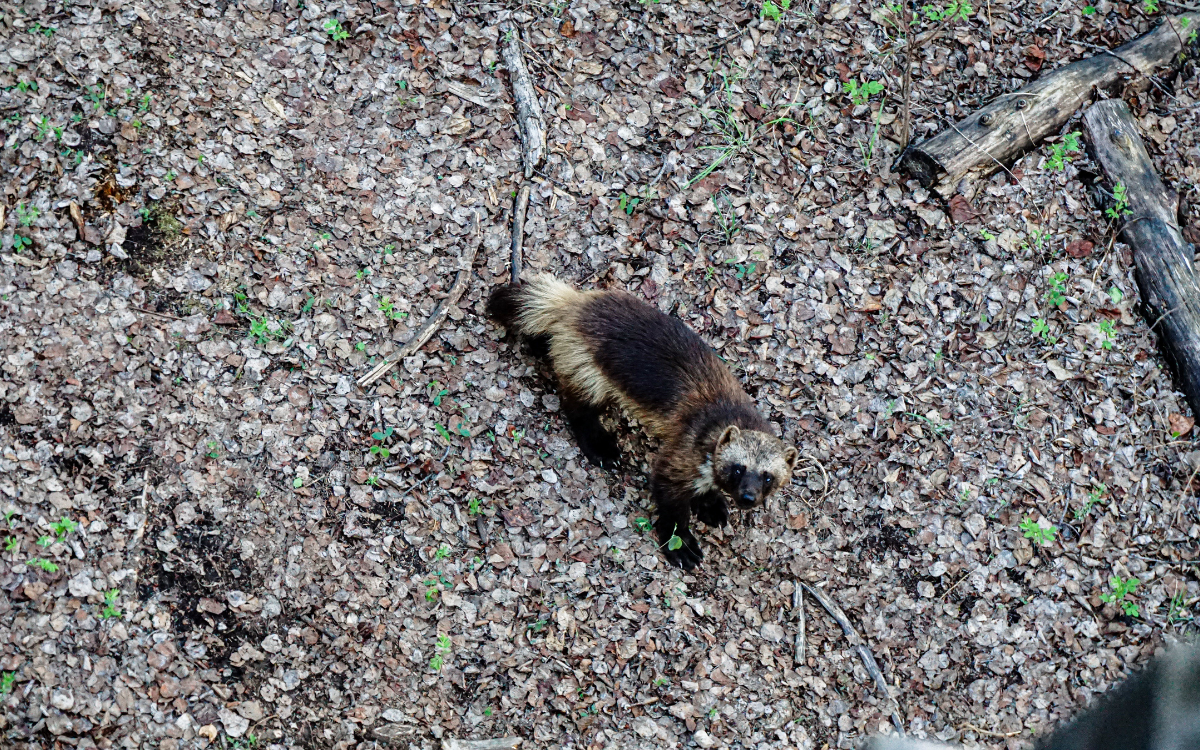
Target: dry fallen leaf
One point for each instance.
(1181, 425)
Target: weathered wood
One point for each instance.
(1014, 123)
(1166, 274)
(529, 110)
(520, 206)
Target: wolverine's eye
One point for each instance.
(737, 471)
(768, 480)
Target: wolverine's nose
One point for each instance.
(747, 499)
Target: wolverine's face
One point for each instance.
(749, 465)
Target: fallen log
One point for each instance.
(529, 110)
(1147, 213)
(1014, 123)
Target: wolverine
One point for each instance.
(608, 347)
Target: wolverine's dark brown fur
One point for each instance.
(610, 347)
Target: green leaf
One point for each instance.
(674, 542)
(297, 482)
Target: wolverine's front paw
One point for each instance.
(681, 547)
(711, 510)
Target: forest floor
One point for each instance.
(217, 215)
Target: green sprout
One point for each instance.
(21, 243)
(861, 92)
(1122, 588)
(63, 527)
(1057, 293)
(473, 507)
(380, 450)
(43, 563)
(1036, 532)
(1108, 328)
(444, 649)
(442, 552)
(333, 27)
(1120, 205)
(110, 605)
(1060, 153)
(6, 682)
(27, 214)
(1095, 496)
(643, 524)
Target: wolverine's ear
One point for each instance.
(731, 433)
(791, 455)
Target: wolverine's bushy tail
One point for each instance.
(532, 308)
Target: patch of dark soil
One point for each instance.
(888, 538)
(204, 566)
(6, 416)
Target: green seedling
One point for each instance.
(1116, 295)
(297, 483)
(1060, 153)
(334, 29)
(1094, 497)
(985, 235)
(627, 204)
(214, 450)
(643, 524)
(110, 605)
(1150, 6)
(45, 541)
(953, 10)
(27, 214)
(1057, 293)
(43, 563)
(1039, 534)
(1042, 329)
(360, 346)
(474, 507)
(6, 682)
(388, 308)
(860, 93)
(20, 243)
(373, 480)
(488, 711)
(674, 542)
(1108, 328)
(1121, 589)
(438, 394)
(1120, 206)
(1089, 10)
(442, 552)
(63, 527)
(12, 544)
(380, 450)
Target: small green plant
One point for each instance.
(1095, 496)
(24, 86)
(1150, 6)
(438, 394)
(27, 214)
(1042, 329)
(1116, 295)
(660, 681)
(953, 10)
(12, 544)
(333, 28)
(373, 480)
(45, 540)
(381, 450)
(488, 711)
(1060, 153)
(1057, 294)
(110, 605)
(360, 346)
(1108, 328)
(214, 450)
(473, 507)
(444, 648)
(1176, 609)
(643, 524)
(297, 483)
(20, 242)
(860, 93)
(1089, 10)
(674, 542)
(442, 552)
(1121, 589)
(1039, 534)
(41, 562)
(1120, 206)
(627, 204)
(6, 682)
(985, 235)
(388, 308)
(63, 527)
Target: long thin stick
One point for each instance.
(865, 653)
(520, 206)
(432, 323)
(529, 110)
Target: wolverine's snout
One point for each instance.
(750, 491)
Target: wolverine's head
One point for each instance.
(749, 465)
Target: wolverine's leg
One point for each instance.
(596, 443)
(711, 508)
(674, 504)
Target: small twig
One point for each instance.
(798, 609)
(864, 652)
(432, 323)
(986, 733)
(500, 743)
(946, 593)
(155, 314)
(520, 206)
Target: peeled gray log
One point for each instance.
(1014, 123)
(1165, 271)
(529, 110)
